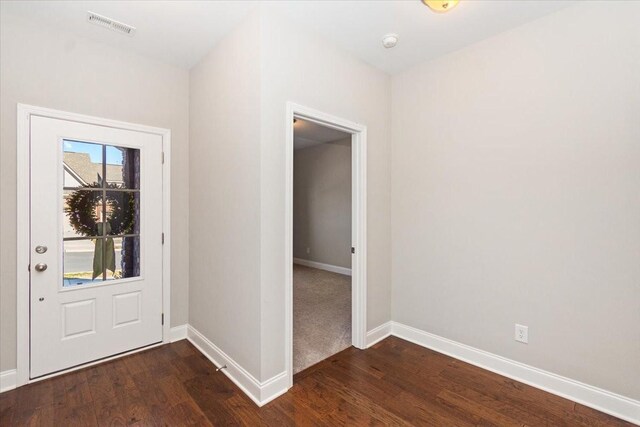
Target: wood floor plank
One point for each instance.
(108, 411)
(426, 412)
(152, 394)
(7, 408)
(100, 384)
(394, 383)
(497, 403)
(72, 389)
(41, 416)
(485, 413)
(38, 394)
(125, 409)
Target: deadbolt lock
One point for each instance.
(41, 249)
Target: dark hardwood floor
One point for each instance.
(392, 383)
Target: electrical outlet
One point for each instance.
(522, 333)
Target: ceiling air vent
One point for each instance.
(111, 24)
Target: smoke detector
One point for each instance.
(390, 40)
(111, 24)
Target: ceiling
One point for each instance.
(182, 32)
(177, 32)
(307, 134)
(358, 26)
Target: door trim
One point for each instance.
(358, 224)
(24, 114)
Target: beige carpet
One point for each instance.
(321, 315)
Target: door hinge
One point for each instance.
(162, 319)
(353, 250)
(163, 238)
(163, 157)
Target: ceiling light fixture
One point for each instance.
(390, 40)
(440, 6)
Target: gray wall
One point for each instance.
(238, 98)
(301, 67)
(516, 195)
(322, 203)
(225, 196)
(49, 68)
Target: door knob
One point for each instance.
(41, 267)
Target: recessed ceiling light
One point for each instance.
(440, 6)
(390, 40)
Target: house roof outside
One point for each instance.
(81, 166)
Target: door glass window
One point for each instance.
(101, 212)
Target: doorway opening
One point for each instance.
(321, 243)
(325, 242)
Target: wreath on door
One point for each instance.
(81, 209)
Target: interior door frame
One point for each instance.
(358, 224)
(24, 114)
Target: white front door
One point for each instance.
(96, 242)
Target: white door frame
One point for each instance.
(358, 224)
(25, 112)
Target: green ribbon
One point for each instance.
(109, 253)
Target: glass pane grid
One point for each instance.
(101, 209)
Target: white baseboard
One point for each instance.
(8, 380)
(378, 334)
(178, 333)
(322, 266)
(605, 401)
(260, 392)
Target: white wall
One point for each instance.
(516, 195)
(52, 69)
(238, 105)
(322, 203)
(303, 68)
(225, 196)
